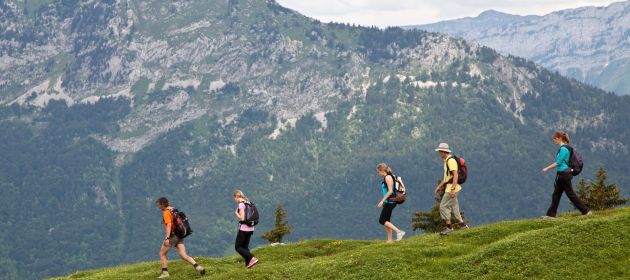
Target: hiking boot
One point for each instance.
(548, 218)
(464, 227)
(164, 275)
(252, 262)
(201, 270)
(399, 236)
(446, 231)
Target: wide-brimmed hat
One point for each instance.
(443, 147)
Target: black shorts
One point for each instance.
(386, 213)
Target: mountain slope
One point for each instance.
(484, 21)
(570, 247)
(250, 95)
(590, 44)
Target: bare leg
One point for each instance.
(181, 249)
(163, 252)
(391, 226)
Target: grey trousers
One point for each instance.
(449, 206)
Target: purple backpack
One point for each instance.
(575, 161)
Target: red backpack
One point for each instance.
(462, 170)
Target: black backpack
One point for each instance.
(462, 170)
(181, 227)
(575, 161)
(251, 214)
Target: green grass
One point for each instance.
(570, 247)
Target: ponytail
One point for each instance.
(239, 194)
(563, 136)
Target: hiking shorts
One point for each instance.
(174, 241)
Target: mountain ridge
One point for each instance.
(589, 43)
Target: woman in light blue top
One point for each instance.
(387, 189)
(563, 177)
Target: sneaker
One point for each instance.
(164, 275)
(548, 218)
(446, 231)
(589, 213)
(399, 236)
(464, 227)
(252, 262)
(201, 270)
(389, 242)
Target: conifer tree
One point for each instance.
(281, 229)
(598, 195)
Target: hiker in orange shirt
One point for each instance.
(170, 239)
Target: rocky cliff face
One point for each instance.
(82, 51)
(590, 44)
(279, 61)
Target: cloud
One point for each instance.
(409, 12)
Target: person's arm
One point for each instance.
(240, 213)
(560, 157)
(168, 225)
(551, 166)
(388, 182)
(455, 177)
(439, 186)
(167, 230)
(442, 183)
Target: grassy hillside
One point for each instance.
(571, 247)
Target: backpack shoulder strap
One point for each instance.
(566, 146)
(393, 182)
(570, 149)
(394, 177)
(448, 169)
(175, 215)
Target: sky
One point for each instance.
(385, 13)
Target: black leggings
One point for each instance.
(563, 184)
(241, 245)
(386, 213)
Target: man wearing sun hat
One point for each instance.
(449, 204)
